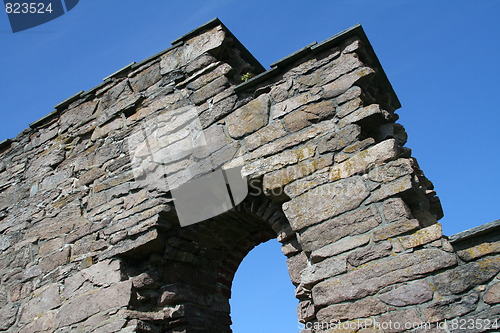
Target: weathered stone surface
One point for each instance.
(77, 116)
(451, 308)
(82, 307)
(366, 159)
(340, 139)
(414, 293)
(479, 251)
(395, 229)
(296, 265)
(326, 201)
(265, 135)
(392, 170)
(373, 276)
(305, 311)
(89, 234)
(399, 321)
(349, 107)
(343, 83)
(422, 236)
(340, 246)
(249, 117)
(308, 115)
(350, 224)
(44, 300)
(395, 209)
(55, 259)
(192, 49)
(278, 179)
(368, 253)
(399, 185)
(146, 78)
(325, 269)
(277, 161)
(464, 277)
(492, 295)
(289, 105)
(359, 309)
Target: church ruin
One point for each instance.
(93, 197)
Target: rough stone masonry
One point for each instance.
(86, 245)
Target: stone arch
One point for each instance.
(88, 243)
(191, 273)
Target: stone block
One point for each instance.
(249, 118)
(348, 311)
(348, 107)
(340, 246)
(325, 202)
(277, 161)
(76, 117)
(492, 295)
(323, 270)
(44, 299)
(291, 104)
(350, 94)
(145, 78)
(192, 49)
(350, 224)
(422, 236)
(451, 308)
(210, 90)
(265, 135)
(395, 229)
(410, 294)
(368, 253)
(98, 300)
(362, 161)
(309, 114)
(395, 209)
(345, 82)
(397, 186)
(392, 170)
(465, 277)
(305, 311)
(296, 265)
(361, 114)
(397, 321)
(371, 277)
(55, 259)
(478, 251)
(340, 139)
(278, 179)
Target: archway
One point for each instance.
(262, 296)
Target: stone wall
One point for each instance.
(90, 238)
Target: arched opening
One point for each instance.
(185, 283)
(262, 295)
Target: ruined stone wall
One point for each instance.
(90, 244)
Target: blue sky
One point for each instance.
(441, 57)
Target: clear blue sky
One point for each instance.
(441, 57)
